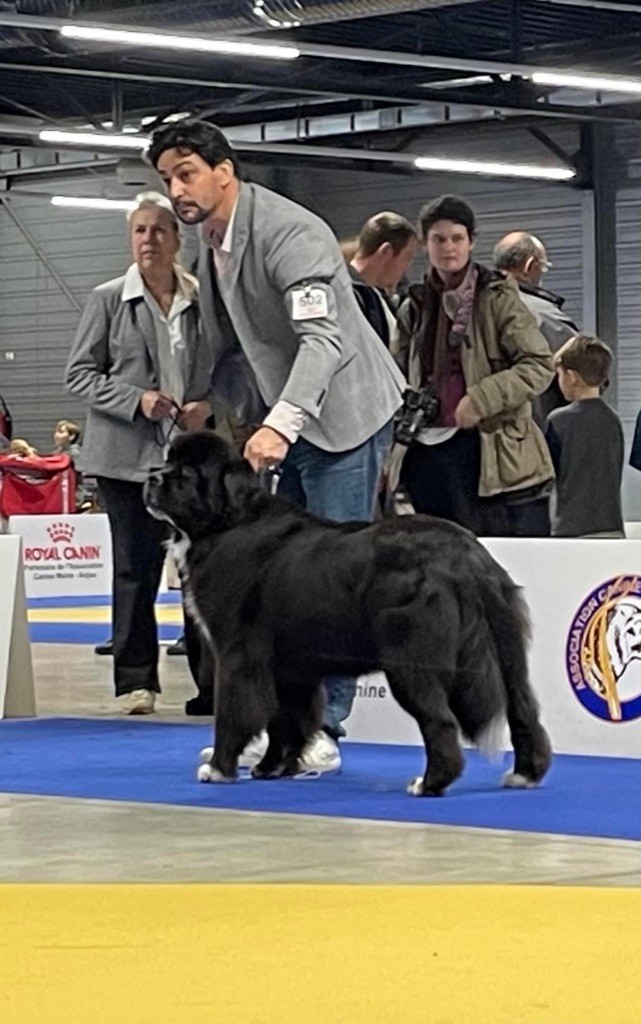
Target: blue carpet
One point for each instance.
(90, 633)
(154, 762)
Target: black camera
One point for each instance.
(420, 408)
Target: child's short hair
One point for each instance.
(72, 428)
(589, 357)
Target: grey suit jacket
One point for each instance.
(334, 367)
(113, 359)
(555, 325)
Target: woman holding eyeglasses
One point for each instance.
(139, 361)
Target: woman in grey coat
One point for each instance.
(140, 362)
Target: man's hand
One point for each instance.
(156, 405)
(465, 415)
(265, 448)
(194, 415)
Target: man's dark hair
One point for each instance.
(447, 208)
(200, 137)
(589, 357)
(385, 227)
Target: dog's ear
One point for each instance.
(241, 487)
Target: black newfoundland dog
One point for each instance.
(284, 598)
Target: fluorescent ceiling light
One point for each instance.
(94, 139)
(434, 163)
(229, 47)
(93, 204)
(596, 83)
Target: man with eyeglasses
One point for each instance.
(524, 258)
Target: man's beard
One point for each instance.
(190, 212)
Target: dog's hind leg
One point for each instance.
(297, 718)
(438, 728)
(532, 748)
(419, 661)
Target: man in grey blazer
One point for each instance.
(138, 359)
(291, 347)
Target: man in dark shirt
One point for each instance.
(586, 443)
(382, 256)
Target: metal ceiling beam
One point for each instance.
(509, 105)
(266, 149)
(394, 58)
(602, 5)
(208, 83)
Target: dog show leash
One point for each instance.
(269, 477)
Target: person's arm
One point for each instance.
(401, 336)
(554, 443)
(87, 375)
(302, 265)
(531, 362)
(635, 453)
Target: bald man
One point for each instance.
(524, 257)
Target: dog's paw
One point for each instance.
(417, 788)
(208, 774)
(513, 780)
(206, 755)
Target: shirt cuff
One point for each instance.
(286, 419)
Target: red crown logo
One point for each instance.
(61, 532)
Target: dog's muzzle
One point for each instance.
(151, 488)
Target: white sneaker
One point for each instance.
(139, 702)
(320, 755)
(251, 755)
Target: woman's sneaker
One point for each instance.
(139, 702)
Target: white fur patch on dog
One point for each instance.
(512, 780)
(206, 755)
(178, 550)
(208, 774)
(415, 787)
(492, 740)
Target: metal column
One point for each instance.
(603, 169)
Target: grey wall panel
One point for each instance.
(37, 320)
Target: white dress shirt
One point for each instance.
(168, 327)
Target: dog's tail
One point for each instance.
(509, 624)
(477, 698)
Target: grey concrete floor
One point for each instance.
(52, 839)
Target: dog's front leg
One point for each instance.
(240, 716)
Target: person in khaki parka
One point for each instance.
(465, 333)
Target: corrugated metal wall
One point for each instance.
(37, 320)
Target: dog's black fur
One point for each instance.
(287, 598)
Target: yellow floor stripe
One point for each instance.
(194, 954)
(167, 614)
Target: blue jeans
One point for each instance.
(342, 486)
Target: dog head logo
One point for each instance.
(61, 533)
(603, 652)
